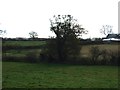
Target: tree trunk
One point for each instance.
(60, 49)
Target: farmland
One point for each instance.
(27, 75)
(51, 75)
(21, 48)
(38, 44)
(108, 47)
(24, 43)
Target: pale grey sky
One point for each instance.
(19, 17)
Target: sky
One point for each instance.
(19, 17)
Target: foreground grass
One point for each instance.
(26, 75)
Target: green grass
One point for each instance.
(27, 75)
(24, 43)
(22, 52)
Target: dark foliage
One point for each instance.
(106, 57)
(66, 43)
(95, 53)
(13, 58)
(18, 47)
(32, 57)
(114, 57)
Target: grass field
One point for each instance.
(84, 51)
(26, 75)
(38, 75)
(24, 43)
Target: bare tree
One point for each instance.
(106, 29)
(2, 32)
(33, 35)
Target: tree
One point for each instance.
(33, 35)
(106, 29)
(66, 43)
(2, 32)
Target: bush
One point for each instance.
(114, 57)
(105, 57)
(95, 53)
(46, 58)
(32, 57)
(29, 57)
(13, 58)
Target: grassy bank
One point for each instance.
(26, 75)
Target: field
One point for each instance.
(109, 47)
(24, 43)
(19, 49)
(35, 46)
(45, 75)
(27, 75)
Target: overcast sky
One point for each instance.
(19, 17)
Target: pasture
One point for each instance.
(35, 46)
(45, 75)
(24, 43)
(39, 75)
(20, 49)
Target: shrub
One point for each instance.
(32, 57)
(65, 45)
(105, 57)
(46, 57)
(13, 58)
(114, 57)
(95, 53)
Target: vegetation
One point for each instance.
(95, 53)
(106, 29)
(22, 45)
(2, 32)
(65, 45)
(62, 61)
(108, 53)
(104, 56)
(27, 75)
(33, 35)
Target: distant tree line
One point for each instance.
(25, 39)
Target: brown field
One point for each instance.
(85, 51)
